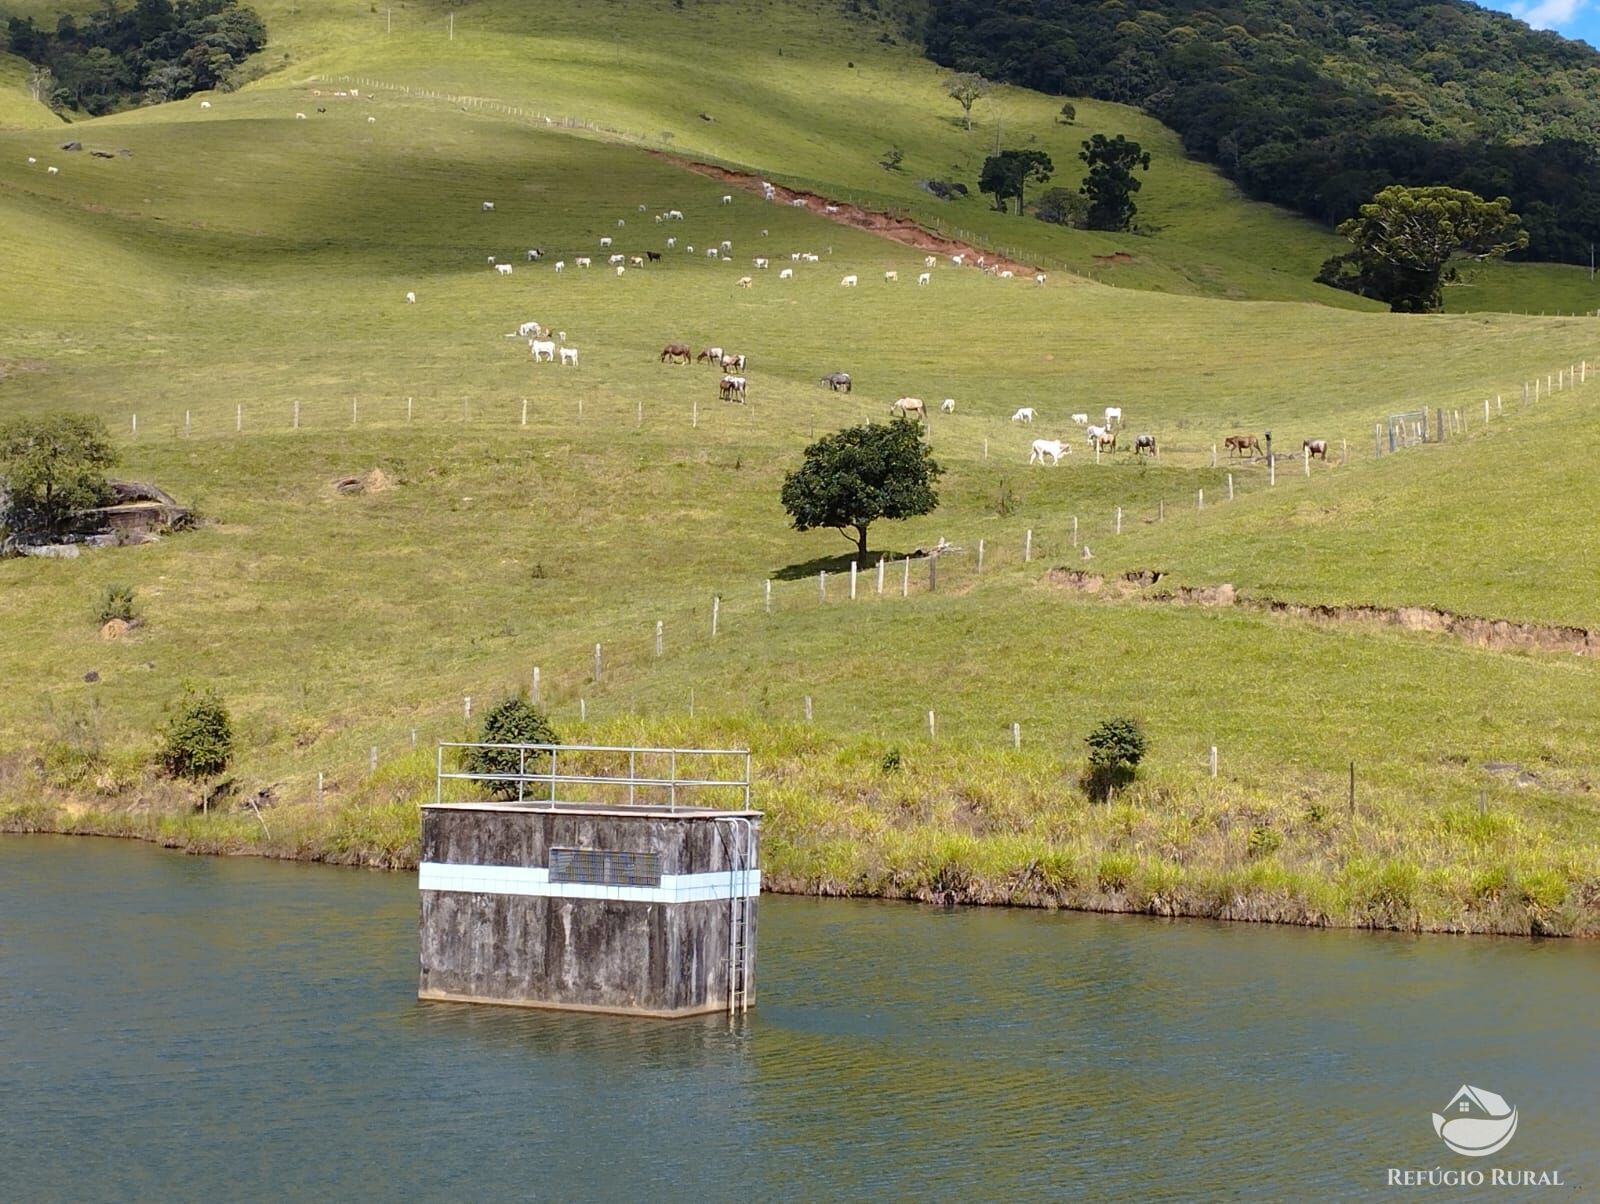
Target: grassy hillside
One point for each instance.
(241, 261)
(18, 110)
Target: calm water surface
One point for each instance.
(184, 1028)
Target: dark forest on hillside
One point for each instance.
(152, 52)
(1317, 106)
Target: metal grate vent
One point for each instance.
(605, 867)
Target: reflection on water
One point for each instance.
(186, 1027)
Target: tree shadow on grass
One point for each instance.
(834, 564)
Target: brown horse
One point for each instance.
(1239, 444)
(1315, 448)
(676, 353)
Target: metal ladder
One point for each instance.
(739, 839)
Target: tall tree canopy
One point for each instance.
(1317, 106)
(1110, 184)
(50, 468)
(1406, 238)
(966, 88)
(1007, 173)
(854, 477)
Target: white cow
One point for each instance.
(205, 104)
(762, 264)
(958, 260)
(302, 117)
(1081, 419)
(1039, 279)
(809, 257)
(726, 245)
(488, 206)
(848, 282)
(830, 209)
(794, 256)
(530, 328)
(928, 261)
(1053, 448)
(798, 202)
(1113, 414)
(31, 159)
(636, 261)
(674, 215)
(1025, 414)
(906, 407)
(712, 253)
(1007, 274)
(727, 199)
(582, 261)
(491, 259)
(411, 298)
(621, 269)
(925, 278)
(569, 355)
(947, 406)
(605, 242)
(671, 242)
(503, 268)
(54, 171)
(561, 265)
(891, 275)
(621, 223)
(786, 274)
(543, 349)
(745, 281)
(617, 258)
(372, 121)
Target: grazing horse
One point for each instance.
(908, 407)
(1315, 448)
(677, 353)
(1054, 448)
(839, 382)
(1145, 443)
(714, 354)
(1101, 438)
(732, 389)
(1239, 444)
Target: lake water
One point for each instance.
(181, 1028)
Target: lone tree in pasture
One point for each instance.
(1405, 239)
(514, 720)
(1007, 173)
(856, 476)
(1115, 749)
(197, 742)
(51, 468)
(966, 88)
(1110, 184)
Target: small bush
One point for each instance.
(117, 603)
(1262, 842)
(513, 720)
(1115, 749)
(892, 158)
(1069, 113)
(198, 740)
(892, 761)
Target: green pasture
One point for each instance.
(240, 265)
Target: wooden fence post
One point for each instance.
(1213, 760)
(658, 636)
(597, 662)
(716, 613)
(881, 559)
(1230, 487)
(1027, 545)
(1016, 736)
(1119, 520)
(808, 708)
(852, 581)
(905, 579)
(535, 698)
(1200, 499)
(980, 555)
(769, 595)
(822, 584)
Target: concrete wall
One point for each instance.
(508, 935)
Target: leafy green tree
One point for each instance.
(1062, 207)
(198, 739)
(513, 720)
(1407, 238)
(854, 477)
(966, 88)
(1115, 749)
(1110, 184)
(1069, 113)
(51, 468)
(1008, 172)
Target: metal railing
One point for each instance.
(598, 774)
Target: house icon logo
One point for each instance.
(1476, 1122)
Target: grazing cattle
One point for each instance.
(925, 278)
(615, 259)
(621, 223)
(530, 328)
(947, 406)
(1315, 448)
(54, 171)
(958, 260)
(302, 117)
(561, 265)
(839, 382)
(674, 215)
(671, 243)
(1102, 438)
(1007, 274)
(745, 281)
(848, 282)
(503, 268)
(1039, 279)
(1237, 445)
(488, 206)
(726, 245)
(1081, 419)
(605, 242)
(798, 202)
(621, 269)
(808, 257)
(411, 298)
(731, 389)
(561, 336)
(31, 159)
(372, 121)
(980, 261)
(543, 349)
(830, 209)
(636, 260)
(929, 260)
(205, 104)
(582, 261)
(712, 252)
(1025, 414)
(1145, 443)
(732, 363)
(891, 275)
(1113, 414)
(534, 253)
(908, 407)
(786, 274)
(677, 353)
(1053, 448)
(767, 190)
(653, 256)
(569, 355)
(761, 264)
(727, 199)
(713, 354)
(689, 250)
(491, 261)
(794, 257)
